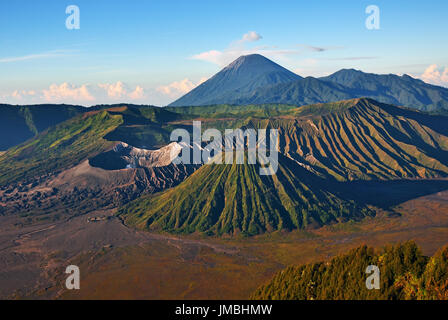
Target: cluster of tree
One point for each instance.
(405, 274)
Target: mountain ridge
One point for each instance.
(293, 89)
(319, 145)
(240, 77)
(234, 199)
(20, 123)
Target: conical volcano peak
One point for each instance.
(258, 65)
(250, 57)
(239, 78)
(254, 79)
(252, 60)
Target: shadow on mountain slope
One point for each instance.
(387, 194)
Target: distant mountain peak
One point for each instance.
(250, 57)
(241, 77)
(256, 61)
(254, 79)
(411, 78)
(349, 72)
(254, 58)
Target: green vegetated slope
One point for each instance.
(20, 123)
(364, 139)
(235, 199)
(60, 147)
(347, 140)
(84, 136)
(404, 274)
(144, 126)
(229, 111)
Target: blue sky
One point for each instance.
(151, 52)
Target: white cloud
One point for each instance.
(49, 54)
(241, 47)
(77, 94)
(235, 50)
(114, 90)
(16, 95)
(433, 74)
(178, 88)
(22, 96)
(137, 94)
(119, 91)
(65, 91)
(213, 56)
(251, 36)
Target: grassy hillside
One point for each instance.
(20, 123)
(358, 139)
(60, 147)
(404, 274)
(143, 126)
(235, 199)
(363, 139)
(66, 144)
(347, 140)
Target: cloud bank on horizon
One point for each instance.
(435, 75)
(86, 94)
(101, 93)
